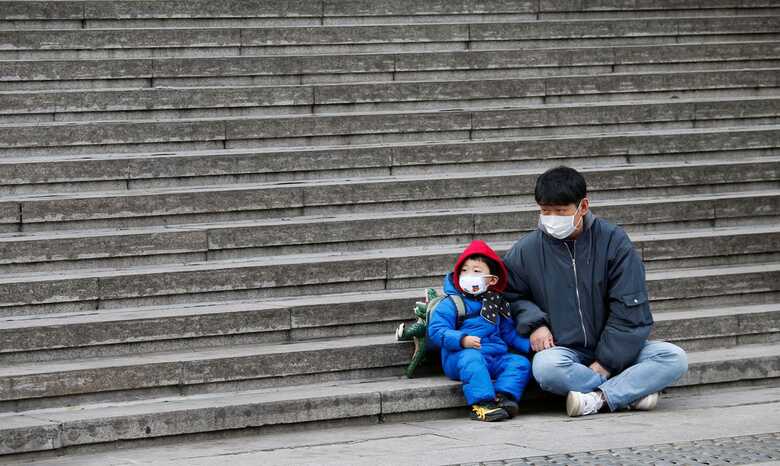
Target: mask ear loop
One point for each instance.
(489, 276)
(582, 219)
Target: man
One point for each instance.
(578, 287)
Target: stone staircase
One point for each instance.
(214, 214)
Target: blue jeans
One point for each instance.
(560, 370)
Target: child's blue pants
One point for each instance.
(476, 370)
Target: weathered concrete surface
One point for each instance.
(382, 192)
(646, 114)
(292, 273)
(153, 99)
(23, 434)
(426, 156)
(611, 5)
(135, 325)
(677, 418)
(59, 378)
(321, 233)
(139, 104)
(171, 9)
(188, 327)
(410, 7)
(200, 9)
(368, 63)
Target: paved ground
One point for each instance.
(726, 427)
(748, 449)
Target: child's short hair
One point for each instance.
(560, 186)
(492, 265)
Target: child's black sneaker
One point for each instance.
(508, 403)
(488, 412)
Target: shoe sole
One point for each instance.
(492, 417)
(651, 404)
(511, 410)
(573, 407)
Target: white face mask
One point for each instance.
(559, 226)
(474, 284)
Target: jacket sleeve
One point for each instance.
(629, 322)
(511, 338)
(527, 315)
(441, 328)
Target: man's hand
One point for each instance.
(541, 339)
(599, 369)
(470, 342)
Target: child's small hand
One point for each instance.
(470, 342)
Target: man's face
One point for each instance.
(568, 210)
(559, 210)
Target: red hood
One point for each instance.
(479, 247)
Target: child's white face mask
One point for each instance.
(474, 284)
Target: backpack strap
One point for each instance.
(460, 306)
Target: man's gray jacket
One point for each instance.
(606, 314)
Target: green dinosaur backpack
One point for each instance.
(418, 331)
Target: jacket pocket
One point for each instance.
(634, 299)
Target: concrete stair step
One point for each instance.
(18, 140)
(296, 275)
(409, 46)
(698, 330)
(200, 102)
(687, 29)
(193, 42)
(100, 13)
(53, 429)
(718, 365)
(75, 14)
(206, 370)
(654, 9)
(186, 327)
(556, 89)
(113, 172)
(661, 250)
(69, 250)
(363, 195)
(131, 331)
(299, 69)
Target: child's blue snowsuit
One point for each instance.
(476, 367)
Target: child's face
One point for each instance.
(477, 267)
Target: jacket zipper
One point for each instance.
(577, 291)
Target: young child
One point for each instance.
(477, 350)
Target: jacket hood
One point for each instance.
(449, 286)
(479, 247)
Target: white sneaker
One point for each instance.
(646, 403)
(582, 404)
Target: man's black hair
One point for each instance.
(560, 186)
(492, 265)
